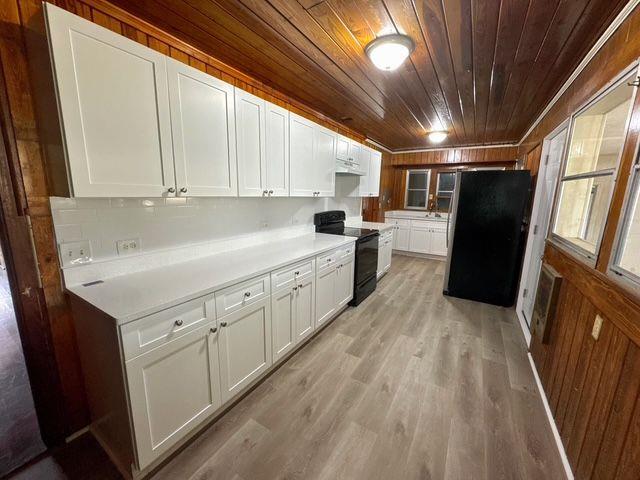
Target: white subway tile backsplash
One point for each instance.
(68, 233)
(78, 215)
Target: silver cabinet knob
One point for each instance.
(270, 192)
(264, 192)
(178, 323)
(296, 272)
(223, 324)
(214, 330)
(183, 190)
(171, 190)
(247, 294)
(295, 288)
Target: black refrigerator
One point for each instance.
(486, 234)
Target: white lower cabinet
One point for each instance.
(326, 304)
(172, 389)
(419, 239)
(385, 247)
(439, 241)
(419, 236)
(401, 237)
(245, 346)
(305, 308)
(344, 282)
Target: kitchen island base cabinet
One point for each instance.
(172, 389)
(245, 346)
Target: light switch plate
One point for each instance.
(597, 326)
(75, 253)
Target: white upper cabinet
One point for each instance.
(324, 161)
(375, 165)
(203, 124)
(342, 148)
(312, 158)
(250, 136)
(114, 108)
(277, 150)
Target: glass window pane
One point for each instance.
(418, 180)
(446, 181)
(629, 256)
(598, 132)
(582, 210)
(416, 198)
(442, 204)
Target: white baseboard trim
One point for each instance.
(526, 331)
(552, 422)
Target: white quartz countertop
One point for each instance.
(129, 297)
(372, 225)
(416, 215)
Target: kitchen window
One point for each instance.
(598, 133)
(444, 190)
(417, 195)
(626, 260)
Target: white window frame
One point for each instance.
(406, 189)
(453, 172)
(571, 248)
(616, 272)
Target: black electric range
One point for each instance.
(366, 261)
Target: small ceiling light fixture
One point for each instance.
(437, 136)
(389, 51)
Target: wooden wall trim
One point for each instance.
(456, 157)
(621, 307)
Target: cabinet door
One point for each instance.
(245, 347)
(355, 153)
(380, 267)
(277, 150)
(301, 141)
(172, 389)
(419, 239)
(387, 255)
(112, 96)
(250, 144)
(283, 327)
(305, 308)
(204, 138)
(365, 166)
(342, 148)
(325, 295)
(439, 241)
(401, 238)
(375, 163)
(324, 162)
(344, 283)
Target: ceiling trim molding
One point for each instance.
(466, 147)
(607, 34)
(378, 145)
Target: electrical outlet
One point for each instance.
(75, 253)
(128, 247)
(597, 326)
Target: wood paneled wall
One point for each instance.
(456, 156)
(22, 42)
(593, 386)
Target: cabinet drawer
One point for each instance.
(285, 277)
(160, 328)
(327, 260)
(237, 296)
(346, 252)
(397, 221)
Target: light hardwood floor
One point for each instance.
(409, 385)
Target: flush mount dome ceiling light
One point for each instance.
(437, 136)
(389, 51)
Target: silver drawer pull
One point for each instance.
(178, 323)
(247, 294)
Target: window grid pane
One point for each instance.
(628, 257)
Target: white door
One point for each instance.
(113, 102)
(365, 165)
(305, 308)
(203, 125)
(375, 163)
(245, 347)
(355, 153)
(344, 283)
(420, 239)
(381, 243)
(388, 252)
(172, 389)
(401, 238)
(342, 148)
(325, 295)
(250, 144)
(541, 215)
(439, 241)
(301, 147)
(283, 328)
(277, 150)
(324, 161)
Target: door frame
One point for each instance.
(542, 170)
(26, 289)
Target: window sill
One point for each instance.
(573, 250)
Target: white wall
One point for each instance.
(162, 224)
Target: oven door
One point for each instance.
(366, 258)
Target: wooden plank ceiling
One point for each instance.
(482, 69)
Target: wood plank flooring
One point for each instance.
(409, 385)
